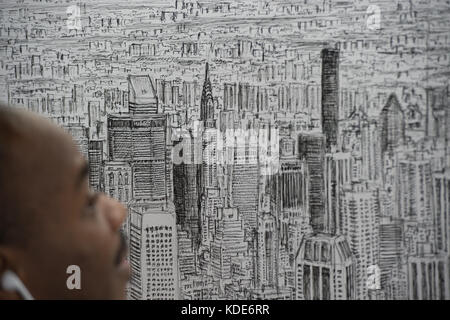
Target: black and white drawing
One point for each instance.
(283, 149)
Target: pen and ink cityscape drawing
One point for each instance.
(264, 149)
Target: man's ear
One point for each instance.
(6, 263)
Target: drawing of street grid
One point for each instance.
(295, 150)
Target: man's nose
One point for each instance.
(115, 212)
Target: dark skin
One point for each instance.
(66, 223)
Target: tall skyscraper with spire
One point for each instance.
(207, 101)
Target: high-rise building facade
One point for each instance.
(312, 150)
(392, 125)
(429, 278)
(330, 96)
(142, 97)
(153, 251)
(324, 269)
(141, 140)
(360, 225)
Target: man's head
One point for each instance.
(50, 220)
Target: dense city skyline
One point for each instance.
(264, 149)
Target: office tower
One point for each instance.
(118, 185)
(370, 150)
(228, 242)
(209, 157)
(324, 268)
(207, 101)
(429, 277)
(392, 125)
(139, 137)
(360, 225)
(141, 140)
(247, 98)
(330, 96)
(313, 99)
(441, 202)
(338, 172)
(94, 114)
(186, 255)
(208, 170)
(78, 99)
(230, 96)
(437, 112)
(190, 98)
(245, 181)
(297, 96)
(267, 251)
(117, 181)
(164, 92)
(312, 150)
(210, 204)
(415, 190)
(291, 193)
(209, 135)
(187, 192)
(142, 96)
(95, 158)
(390, 249)
(153, 251)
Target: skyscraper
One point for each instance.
(324, 269)
(390, 249)
(429, 277)
(142, 95)
(392, 125)
(141, 140)
(291, 192)
(139, 137)
(207, 101)
(95, 157)
(360, 225)
(187, 190)
(330, 96)
(228, 241)
(441, 185)
(338, 172)
(153, 251)
(267, 249)
(312, 150)
(415, 190)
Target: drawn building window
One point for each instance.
(325, 252)
(111, 179)
(308, 249)
(316, 251)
